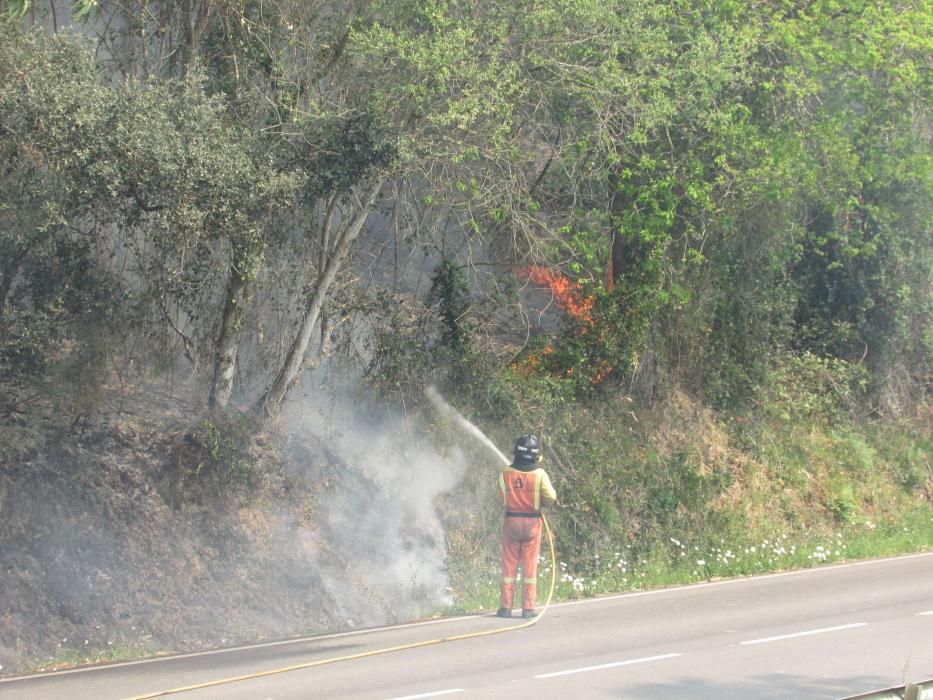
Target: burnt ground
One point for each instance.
(129, 533)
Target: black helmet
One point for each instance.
(527, 450)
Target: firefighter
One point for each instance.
(525, 488)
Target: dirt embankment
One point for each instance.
(118, 536)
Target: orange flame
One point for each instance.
(570, 297)
(567, 292)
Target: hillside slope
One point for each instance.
(155, 526)
(150, 529)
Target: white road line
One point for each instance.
(738, 580)
(805, 634)
(586, 669)
(928, 612)
(430, 695)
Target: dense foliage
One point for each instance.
(724, 186)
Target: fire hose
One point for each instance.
(377, 652)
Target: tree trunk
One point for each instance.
(6, 284)
(627, 252)
(225, 355)
(271, 401)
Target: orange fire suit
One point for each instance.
(523, 493)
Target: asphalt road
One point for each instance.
(820, 633)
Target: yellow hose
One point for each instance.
(376, 652)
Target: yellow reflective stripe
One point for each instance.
(502, 487)
(530, 581)
(507, 579)
(537, 491)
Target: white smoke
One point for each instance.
(381, 511)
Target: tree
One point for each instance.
(270, 153)
(867, 256)
(432, 77)
(642, 110)
(60, 304)
(153, 170)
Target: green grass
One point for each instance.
(692, 496)
(70, 657)
(617, 569)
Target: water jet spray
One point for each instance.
(445, 408)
